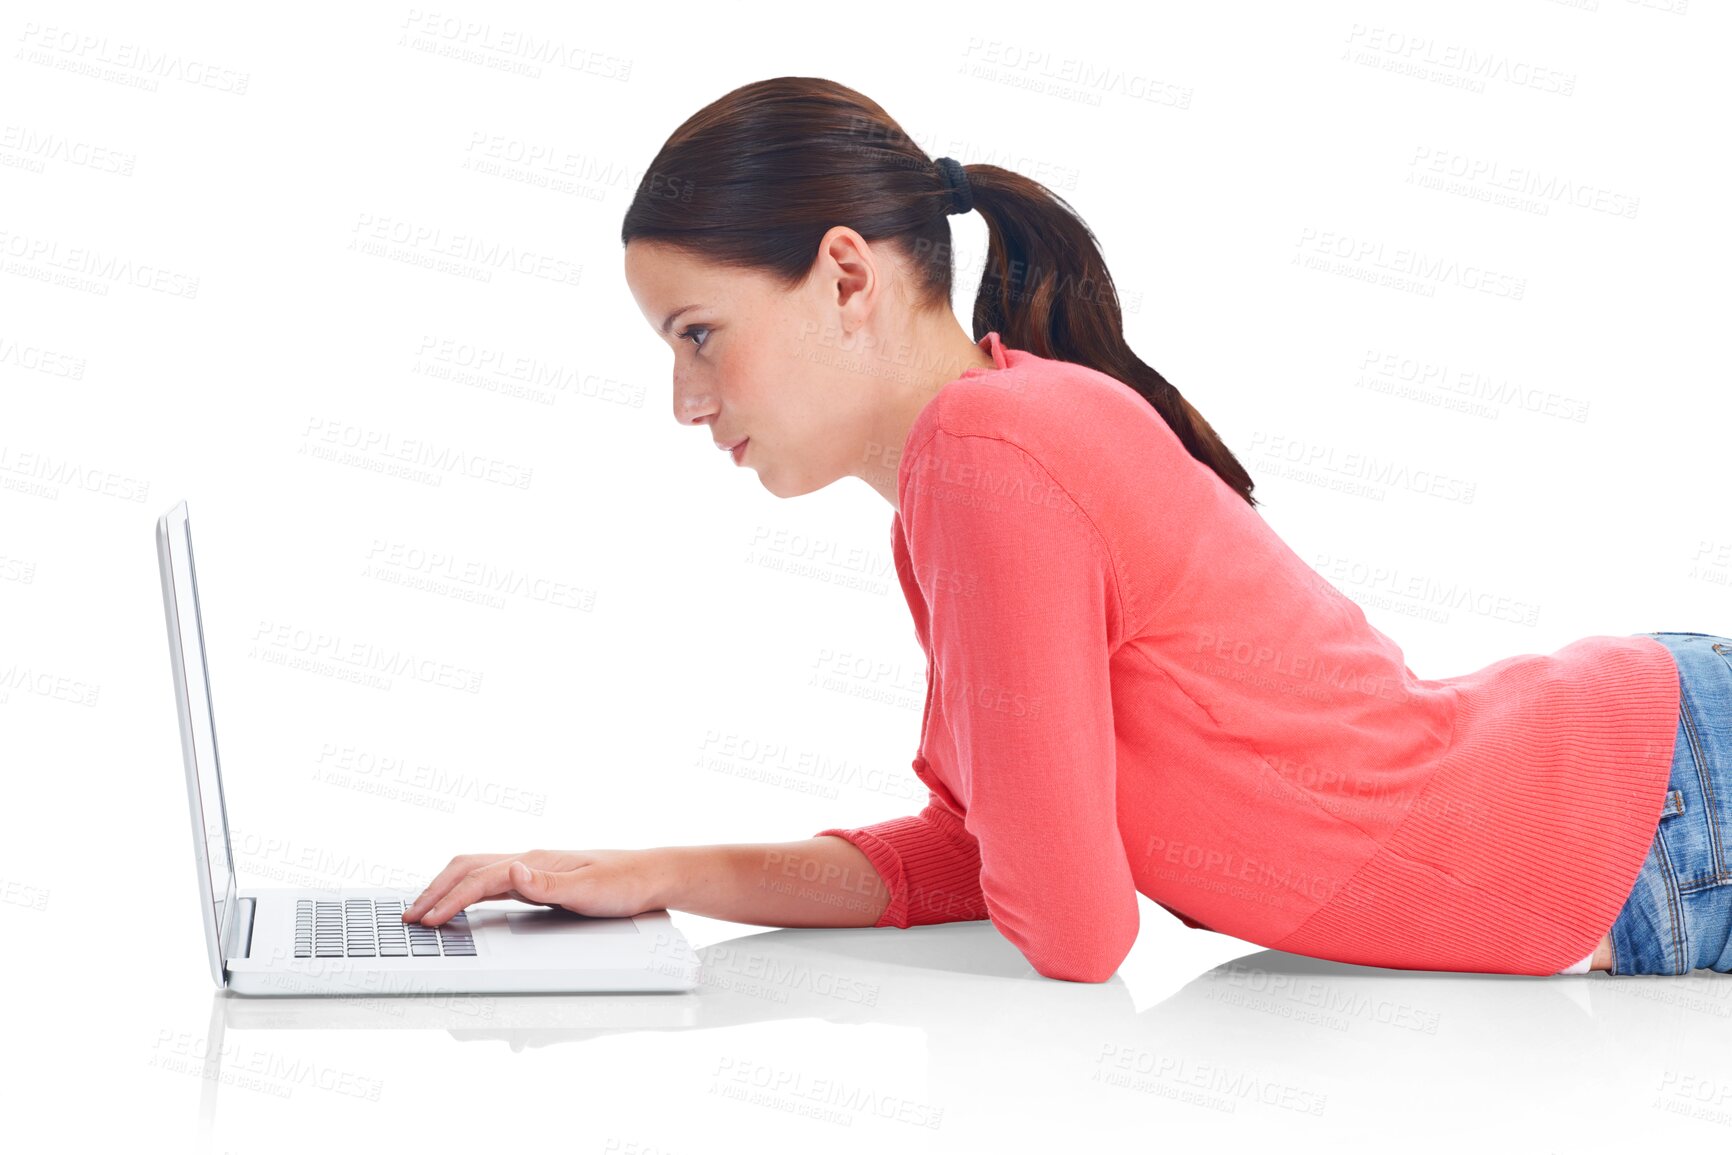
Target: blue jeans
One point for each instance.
(1678, 917)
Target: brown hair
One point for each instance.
(757, 177)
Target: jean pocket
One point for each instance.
(1690, 826)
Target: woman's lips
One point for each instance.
(740, 451)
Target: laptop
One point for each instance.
(295, 942)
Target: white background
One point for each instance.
(1450, 279)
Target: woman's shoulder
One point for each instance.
(1033, 396)
(1086, 431)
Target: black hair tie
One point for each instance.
(961, 193)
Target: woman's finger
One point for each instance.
(489, 880)
(445, 880)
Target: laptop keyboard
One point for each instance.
(374, 928)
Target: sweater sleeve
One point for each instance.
(1025, 607)
(927, 861)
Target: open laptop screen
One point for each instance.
(211, 848)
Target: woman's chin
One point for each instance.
(779, 487)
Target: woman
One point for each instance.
(1133, 684)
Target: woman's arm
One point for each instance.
(818, 881)
(822, 881)
(1023, 649)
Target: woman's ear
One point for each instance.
(847, 268)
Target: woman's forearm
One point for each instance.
(823, 881)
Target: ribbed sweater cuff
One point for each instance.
(928, 863)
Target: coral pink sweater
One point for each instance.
(1134, 685)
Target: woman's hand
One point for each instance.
(599, 883)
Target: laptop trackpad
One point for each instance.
(551, 921)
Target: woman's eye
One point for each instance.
(687, 332)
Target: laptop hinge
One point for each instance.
(240, 943)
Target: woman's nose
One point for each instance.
(690, 407)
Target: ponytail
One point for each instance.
(1046, 289)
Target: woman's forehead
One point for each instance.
(658, 274)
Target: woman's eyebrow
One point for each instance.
(668, 324)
